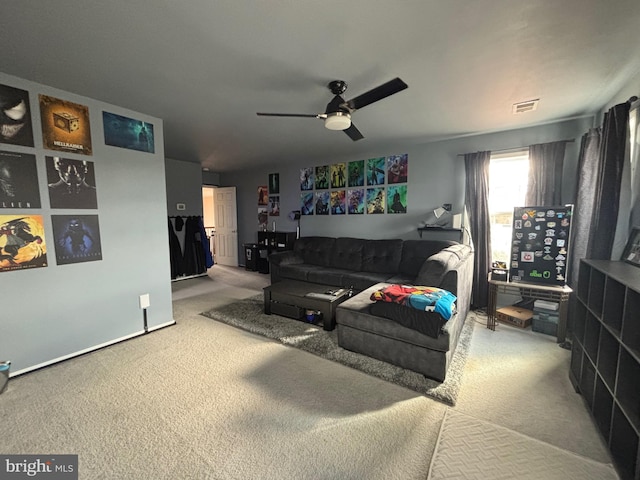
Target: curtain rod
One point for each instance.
(502, 150)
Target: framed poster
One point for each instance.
(356, 173)
(540, 244)
(125, 132)
(375, 171)
(375, 200)
(631, 252)
(338, 199)
(322, 203)
(65, 125)
(398, 168)
(274, 183)
(22, 242)
(397, 199)
(71, 183)
(18, 180)
(307, 178)
(15, 117)
(262, 195)
(356, 201)
(77, 238)
(338, 175)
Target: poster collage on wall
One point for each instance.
(372, 186)
(71, 182)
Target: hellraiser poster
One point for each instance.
(65, 125)
(22, 242)
(128, 133)
(77, 238)
(18, 180)
(15, 117)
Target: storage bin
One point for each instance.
(545, 324)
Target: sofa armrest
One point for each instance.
(277, 259)
(287, 257)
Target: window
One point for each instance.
(508, 176)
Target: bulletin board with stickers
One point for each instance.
(540, 244)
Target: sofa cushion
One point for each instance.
(315, 250)
(415, 252)
(436, 267)
(381, 256)
(356, 313)
(347, 253)
(327, 276)
(362, 280)
(425, 299)
(296, 271)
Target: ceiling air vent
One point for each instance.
(528, 106)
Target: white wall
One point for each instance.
(59, 310)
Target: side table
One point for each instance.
(531, 290)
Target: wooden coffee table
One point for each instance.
(294, 297)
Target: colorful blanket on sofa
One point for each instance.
(430, 299)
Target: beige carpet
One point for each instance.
(472, 449)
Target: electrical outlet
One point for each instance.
(181, 206)
(145, 301)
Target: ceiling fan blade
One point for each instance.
(383, 91)
(305, 115)
(353, 133)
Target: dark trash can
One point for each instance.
(5, 366)
(263, 258)
(251, 256)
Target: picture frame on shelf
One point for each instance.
(631, 253)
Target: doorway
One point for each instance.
(219, 213)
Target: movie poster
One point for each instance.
(397, 196)
(65, 126)
(22, 242)
(356, 201)
(397, 168)
(338, 175)
(274, 205)
(274, 183)
(322, 203)
(306, 203)
(375, 200)
(322, 177)
(77, 238)
(375, 171)
(356, 173)
(128, 133)
(18, 181)
(262, 195)
(338, 202)
(263, 218)
(307, 178)
(15, 117)
(71, 183)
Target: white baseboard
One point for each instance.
(89, 350)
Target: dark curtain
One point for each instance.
(546, 161)
(585, 202)
(477, 206)
(606, 197)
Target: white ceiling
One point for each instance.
(207, 66)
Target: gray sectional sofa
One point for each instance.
(389, 332)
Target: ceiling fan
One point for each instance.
(337, 115)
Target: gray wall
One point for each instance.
(436, 176)
(60, 310)
(184, 185)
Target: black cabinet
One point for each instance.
(277, 241)
(605, 356)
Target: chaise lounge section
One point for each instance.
(389, 332)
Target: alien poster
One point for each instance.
(15, 117)
(71, 183)
(65, 126)
(18, 180)
(22, 242)
(128, 133)
(77, 238)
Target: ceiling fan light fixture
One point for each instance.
(338, 121)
